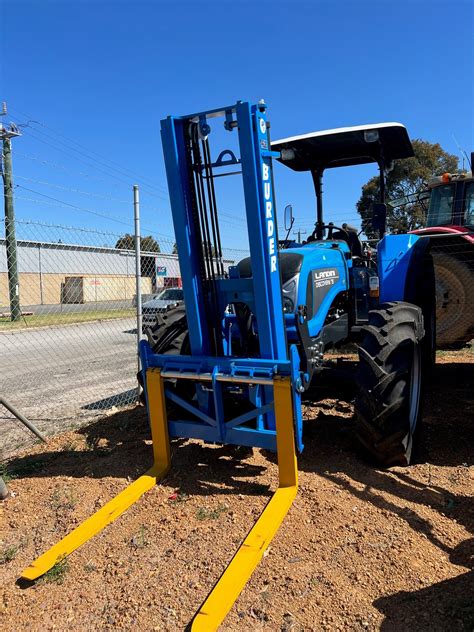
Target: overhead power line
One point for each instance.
(87, 210)
(56, 165)
(118, 169)
(89, 153)
(105, 166)
(79, 191)
(29, 133)
(62, 167)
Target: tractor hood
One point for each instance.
(290, 265)
(345, 146)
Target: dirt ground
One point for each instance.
(361, 548)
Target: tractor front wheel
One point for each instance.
(168, 336)
(389, 381)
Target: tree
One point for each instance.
(147, 244)
(407, 178)
(175, 249)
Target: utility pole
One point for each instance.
(6, 134)
(299, 232)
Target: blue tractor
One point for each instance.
(291, 300)
(230, 365)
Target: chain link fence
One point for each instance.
(72, 353)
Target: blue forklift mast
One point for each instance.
(208, 289)
(271, 380)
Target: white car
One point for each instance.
(159, 304)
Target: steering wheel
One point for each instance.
(330, 228)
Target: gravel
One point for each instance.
(361, 548)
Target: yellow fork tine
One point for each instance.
(115, 507)
(224, 594)
(226, 591)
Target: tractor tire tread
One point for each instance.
(169, 334)
(381, 409)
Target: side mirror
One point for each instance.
(379, 217)
(288, 217)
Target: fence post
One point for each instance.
(24, 420)
(138, 274)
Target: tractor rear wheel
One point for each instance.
(389, 381)
(454, 320)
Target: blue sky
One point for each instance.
(103, 74)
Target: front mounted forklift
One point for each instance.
(332, 294)
(230, 365)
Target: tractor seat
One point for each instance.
(351, 238)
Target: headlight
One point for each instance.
(289, 296)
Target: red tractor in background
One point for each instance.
(450, 223)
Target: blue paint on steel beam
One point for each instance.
(175, 153)
(262, 230)
(179, 401)
(237, 421)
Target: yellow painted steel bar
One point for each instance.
(114, 508)
(238, 572)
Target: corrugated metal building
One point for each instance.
(51, 273)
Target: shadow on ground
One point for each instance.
(119, 446)
(124, 399)
(447, 440)
(454, 609)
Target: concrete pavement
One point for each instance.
(56, 376)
